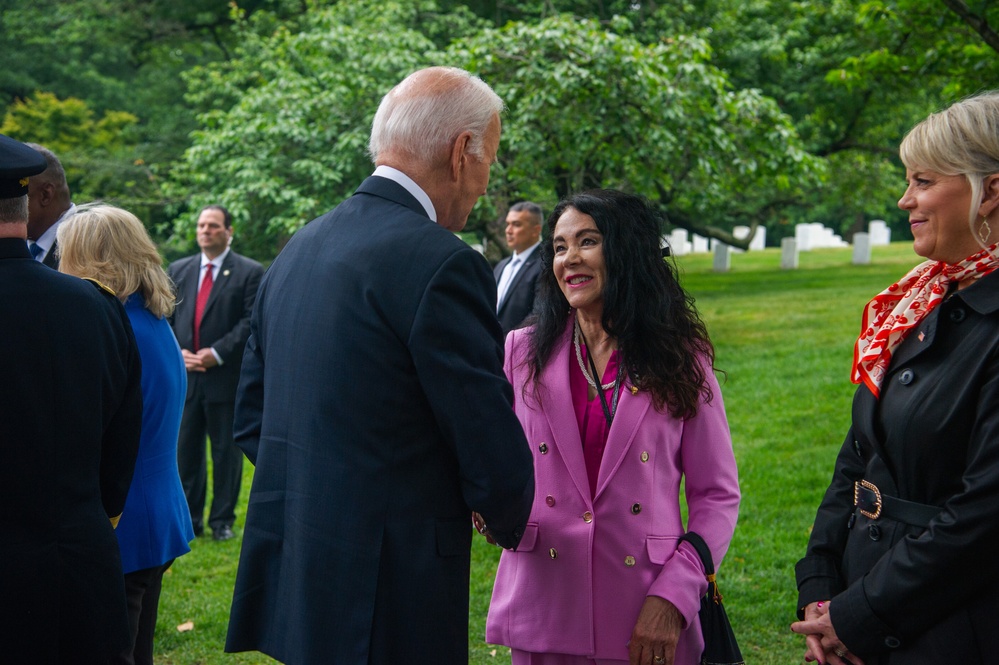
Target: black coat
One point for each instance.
(70, 419)
(373, 402)
(225, 323)
(901, 593)
(519, 300)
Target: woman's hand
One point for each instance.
(821, 642)
(480, 526)
(653, 642)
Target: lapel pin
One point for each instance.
(225, 273)
(922, 336)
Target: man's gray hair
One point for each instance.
(53, 173)
(14, 211)
(425, 113)
(531, 207)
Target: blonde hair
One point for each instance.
(110, 245)
(963, 139)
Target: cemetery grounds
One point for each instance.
(784, 344)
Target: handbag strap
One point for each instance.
(702, 551)
(709, 566)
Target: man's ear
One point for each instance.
(459, 154)
(44, 193)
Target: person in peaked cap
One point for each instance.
(70, 418)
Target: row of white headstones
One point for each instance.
(806, 237)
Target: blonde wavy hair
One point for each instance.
(108, 244)
(963, 139)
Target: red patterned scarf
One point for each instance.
(890, 316)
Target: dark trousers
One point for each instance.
(142, 591)
(213, 419)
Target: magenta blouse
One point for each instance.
(593, 426)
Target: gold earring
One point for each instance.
(984, 230)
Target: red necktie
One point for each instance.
(199, 304)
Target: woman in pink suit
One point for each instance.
(599, 577)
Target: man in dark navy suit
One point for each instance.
(517, 275)
(48, 204)
(216, 290)
(373, 403)
(70, 418)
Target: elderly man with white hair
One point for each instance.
(373, 403)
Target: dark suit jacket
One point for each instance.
(225, 323)
(903, 593)
(373, 403)
(70, 418)
(51, 259)
(519, 300)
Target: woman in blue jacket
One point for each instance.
(110, 245)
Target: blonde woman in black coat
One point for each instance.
(900, 566)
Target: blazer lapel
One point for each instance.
(220, 283)
(524, 269)
(631, 409)
(562, 418)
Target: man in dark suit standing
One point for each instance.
(517, 275)
(216, 290)
(48, 204)
(373, 403)
(70, 418)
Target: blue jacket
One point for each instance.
(156, 524)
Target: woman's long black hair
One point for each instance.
(663, 342)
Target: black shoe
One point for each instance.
(223, 532)
(199, 530)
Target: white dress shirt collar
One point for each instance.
(47, 239)
(217, 261)
(395, 175)
(526, 253)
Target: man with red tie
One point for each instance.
(216, 290)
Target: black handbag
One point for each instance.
(720, 645)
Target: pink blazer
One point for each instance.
(578, 579)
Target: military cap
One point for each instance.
(17, 162)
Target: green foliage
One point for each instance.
(99, 155)
(66, 125)
(591, 106)
(285, 123)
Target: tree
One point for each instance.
(98, 154)
(591, 106)
(286, 121)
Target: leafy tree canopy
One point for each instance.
(284, 124)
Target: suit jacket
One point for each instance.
(519, 300)
(903, 593)
(586, 563)
(156, 525)
(70, 415)
(51, 258)
(373, 404)
(225, 323)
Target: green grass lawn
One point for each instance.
(784, 340)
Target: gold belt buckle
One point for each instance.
(871, 487)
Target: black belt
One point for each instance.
(871, 503)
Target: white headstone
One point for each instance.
(759, 241)
(723, 257)
(678, 242)
(740, 232)
(861, 249)
(699, 243)
(803, 234)
(879, 232)
(789, 254)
